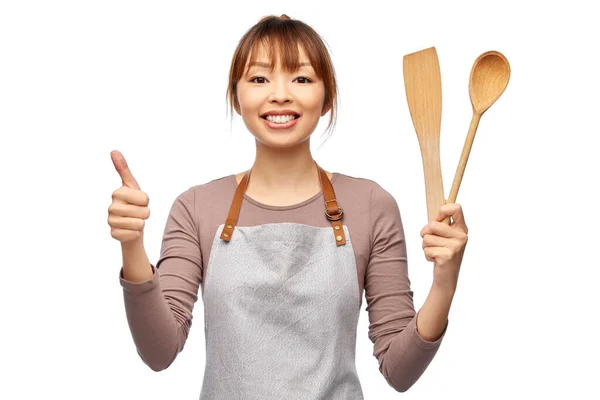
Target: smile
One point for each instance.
(280, 121)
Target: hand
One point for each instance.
(445, 245)
(129, 208)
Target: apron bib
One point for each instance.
(281, 309)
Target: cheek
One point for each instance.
(243, 100)
(317, 99)
(247, 99)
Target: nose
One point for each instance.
(280, 92)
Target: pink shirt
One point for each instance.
(159, 311)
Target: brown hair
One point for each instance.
(283, 35)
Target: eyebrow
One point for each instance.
(268, 65)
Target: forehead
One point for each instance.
(260, 53)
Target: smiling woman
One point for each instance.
(282, 258)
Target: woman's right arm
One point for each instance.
(159, 299)
(136, 265)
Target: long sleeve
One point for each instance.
(402, 353)
(159, 311)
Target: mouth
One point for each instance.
(281, 122)
(280, 118)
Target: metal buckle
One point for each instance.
(337, 217)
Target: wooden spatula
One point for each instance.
(423, 85)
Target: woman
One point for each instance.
(282, 252)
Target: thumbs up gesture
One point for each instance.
(129, 208)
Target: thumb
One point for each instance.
(123, 170)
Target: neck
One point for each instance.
(284, 169)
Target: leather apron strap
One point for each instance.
(333, 211)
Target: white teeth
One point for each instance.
(280, 119)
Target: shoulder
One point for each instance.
(207, 192)
(378, 204)
(379, 198)
(212, 188)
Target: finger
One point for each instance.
(125, 234)
(426, 230)
(131, 196)
(438, 254)
(436, 228)
(132, 224)
(129, 210)
(440, 229)
(434, 241)
(428, 254)
(455, 211)
(431, 253)
(448, 210)
(123, 170)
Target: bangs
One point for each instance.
(283, 51)
(281, 40)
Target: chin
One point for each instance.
(280, 139)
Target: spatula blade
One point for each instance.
(423, 86)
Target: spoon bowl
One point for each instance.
(489, 77)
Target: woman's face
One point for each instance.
(260, 91)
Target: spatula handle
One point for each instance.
(434, 185)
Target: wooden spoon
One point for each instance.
(489, 77)
(423, 86)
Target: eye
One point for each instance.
(253, 80)
(305, 78)
(257, 77)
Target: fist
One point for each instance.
(129, 208)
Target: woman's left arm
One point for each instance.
(444, 245)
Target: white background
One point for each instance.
(81, 78)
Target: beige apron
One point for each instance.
(281, 309)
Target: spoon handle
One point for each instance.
(464, 157)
